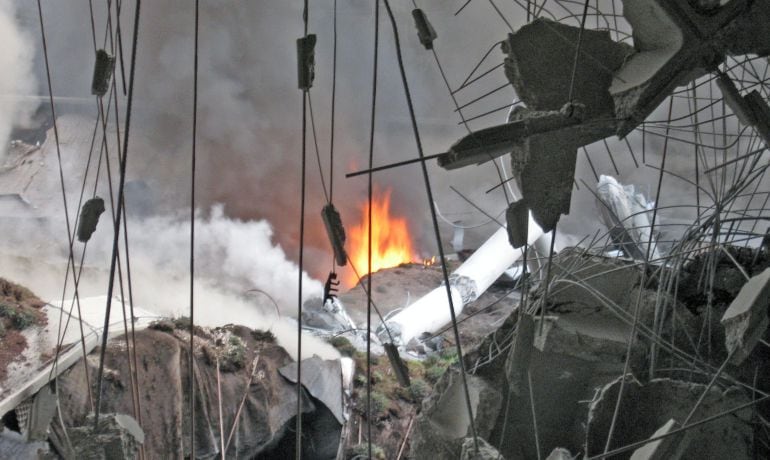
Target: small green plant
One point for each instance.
(361, 452)
(449, 355)
(20, 320)
(434, 373)
(418, 390)
(380, 404)
(343, 345)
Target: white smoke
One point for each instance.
(236, 255)
(17, 77)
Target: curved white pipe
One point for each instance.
(431, 312)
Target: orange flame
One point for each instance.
(391, 243)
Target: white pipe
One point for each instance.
(431, 312)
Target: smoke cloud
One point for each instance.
(17, 77)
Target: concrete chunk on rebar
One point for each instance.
(517, 218)
(89, 217)
(746, 319)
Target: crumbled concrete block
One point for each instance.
(485, 451)
(517, 218)
(746, 318)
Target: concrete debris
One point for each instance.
(517, 364)
(745, 321)
(560, 453)
(545, 47)
(117, 437)
(646, 408)
(322, 379)
(443, 424)
(517, 219)
(328, 316)
(668, 448)
(489, 143)
(89, 217)
(40, 415)
(485, 451)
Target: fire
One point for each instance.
(391, 243)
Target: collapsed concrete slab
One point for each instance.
(745, 321)
(645, 408)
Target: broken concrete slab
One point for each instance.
(669, 448)
(40, 414)
(517, 220)
(645, 408)
(443, 424)
(485, 451)
(322, 379)
(489, 143)
(544, 47)
(746, 319)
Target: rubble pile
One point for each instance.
(557, 385)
